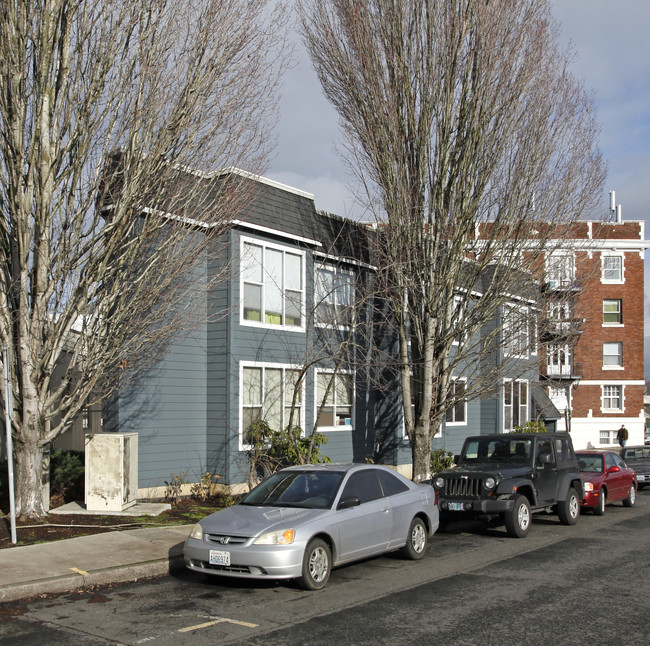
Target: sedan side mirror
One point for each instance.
(349, 501)
(613, 469)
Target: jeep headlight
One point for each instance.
(280, 537)
(489, 483)
(589, 486)
(439, 483)
(197, 532)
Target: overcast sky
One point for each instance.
(612, 42)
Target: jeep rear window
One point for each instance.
(517, 451)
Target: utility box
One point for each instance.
(111, 471)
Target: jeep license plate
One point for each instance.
(219, 557)
(456, 506)
(641, 478)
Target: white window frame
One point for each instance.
(612, 281)
(559, 360)
(263, 285)
(613, 349)
(525, 408)
(560, 270)
(317, 403)
(516, 331)
(452, 410)
(608, 397)
(619, 322)
(604, 438)
(337, 307)
(263, 367)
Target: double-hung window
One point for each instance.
(516, 331)
(334, 296)
(612, 398)
(612, 269)
(272, 285)
(560, 270)
(515, 403)
(612, 312)
(334, 399)
(457, 414)
(269, 393)
(612, 355)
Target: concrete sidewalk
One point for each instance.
(111, 557)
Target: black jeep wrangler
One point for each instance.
(506, 477)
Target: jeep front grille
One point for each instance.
(463, 486)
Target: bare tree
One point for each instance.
(473, 143)
(104, 106)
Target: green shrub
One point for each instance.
(441, 460)
(534, 426)
(67, 474)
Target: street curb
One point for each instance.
(79, 581)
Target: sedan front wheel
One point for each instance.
(316, 565)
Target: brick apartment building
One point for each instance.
(593, 364)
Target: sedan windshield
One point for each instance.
(516, 451)
(309, 489)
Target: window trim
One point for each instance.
(464, 404)
(263, 366)
(523, 330)
(619, 322)
(505, 383)
(558, 280)
(618, 355)
(343, 427)
(621, 388)
(336, 269)
(610, 281)
(284, 249)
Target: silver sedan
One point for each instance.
(302, 521)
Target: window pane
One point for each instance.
(292, 308)
(326, 418)
(273, 283)
(252, 302)
(323, 382)
(251, 263)
(273, 398)
(252, 387)
(343, 390)
(293, 272)
(250, 416)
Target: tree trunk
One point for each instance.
(421, 453)
(29, 481)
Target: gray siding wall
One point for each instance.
(167, 405)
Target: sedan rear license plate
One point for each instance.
(219, 557)
(456, 506)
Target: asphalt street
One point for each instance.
(586, 584)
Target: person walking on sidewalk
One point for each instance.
(622, 436)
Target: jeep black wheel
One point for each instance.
(518, 518)
(631, 497)
(602, 501)
(568, 510)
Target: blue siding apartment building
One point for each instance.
(284, 315)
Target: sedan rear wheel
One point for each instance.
(602, 501)
(631, 497)
(316, 565)
(416, 541)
